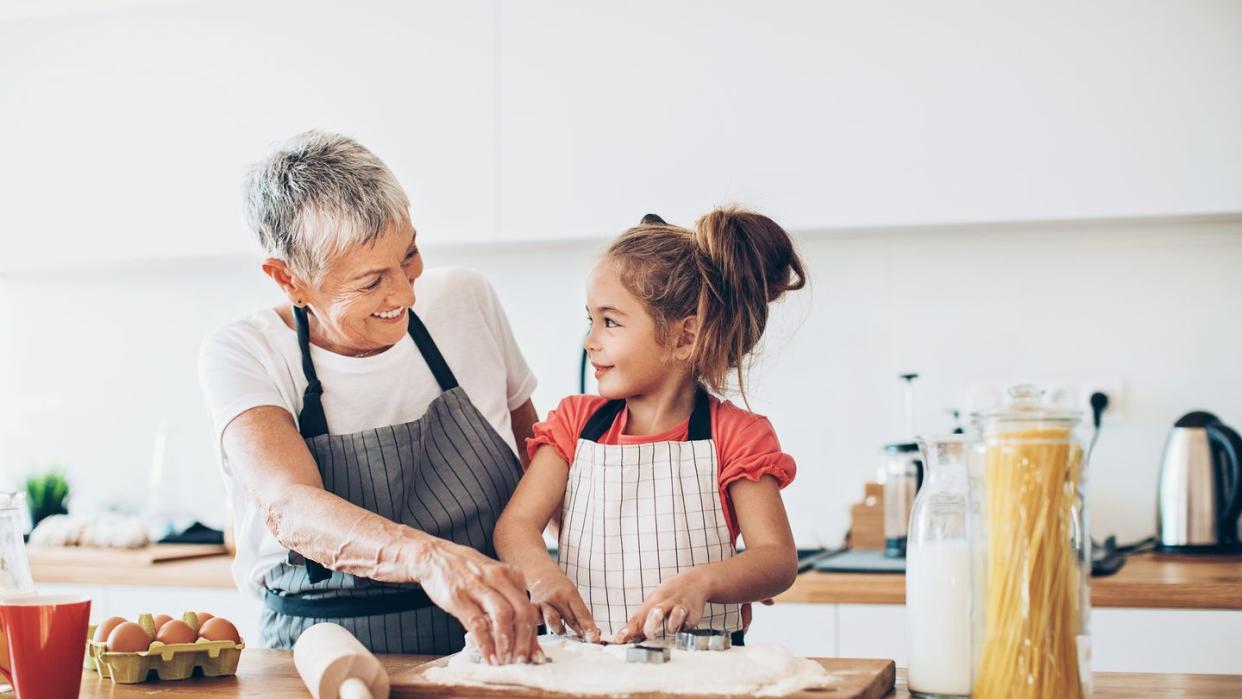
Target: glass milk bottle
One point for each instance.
(938, 575)
(1034, 592)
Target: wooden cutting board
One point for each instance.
(145, 556)
(856, 679)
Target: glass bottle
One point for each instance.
(938, 573)
(1034, 592)
(14, 567)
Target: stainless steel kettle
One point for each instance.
(1200, 495)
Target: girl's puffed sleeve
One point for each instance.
(748, 448)
(560, 429)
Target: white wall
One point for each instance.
(99, 358)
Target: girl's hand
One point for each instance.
(676, 604)
(559, 601)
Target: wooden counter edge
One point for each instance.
(1145, 582)
(207, 571)
(270, 673)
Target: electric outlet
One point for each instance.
(1061, 393)
(1113, 387)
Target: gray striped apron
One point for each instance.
(447, 473)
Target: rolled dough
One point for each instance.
(585, 668)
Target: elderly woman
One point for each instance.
(367, 434)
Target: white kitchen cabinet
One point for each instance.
(833, 114)
(873, 631)
(806, 629)
(1166, 640)
(131, 600)
(1122, 639)
(131, 128)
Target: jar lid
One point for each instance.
(901, 448)
(10, 500)
(1026, 402)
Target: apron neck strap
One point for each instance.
(431, 354)
(700, 419)
(311, 421)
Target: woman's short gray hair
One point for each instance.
(317, 195)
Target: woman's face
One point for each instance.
(363, 298)
(628, 358)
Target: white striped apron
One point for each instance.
(636, 514)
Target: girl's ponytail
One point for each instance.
(745, 261)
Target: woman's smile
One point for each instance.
(390, 316)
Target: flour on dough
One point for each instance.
(584, 668)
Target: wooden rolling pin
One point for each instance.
(334, 665)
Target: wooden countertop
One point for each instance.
(208, 571)
(270, 673)
(1148, 581)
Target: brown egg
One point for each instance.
(219, 629)
(160, 620)
(203, 617)
(128, 637)
(175, 631)
(105, 627)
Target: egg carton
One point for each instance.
(170, 661)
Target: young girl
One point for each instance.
(654, 479)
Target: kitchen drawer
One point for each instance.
(806, 629)
(1166, 640)
(873, 631)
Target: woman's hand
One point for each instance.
(486, 596)
(676, 604)
(561, 605)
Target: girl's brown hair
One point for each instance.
(726, 271)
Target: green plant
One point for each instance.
(46, 495)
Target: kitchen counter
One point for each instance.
(270, 673)
(207, 571)
(1147, 581)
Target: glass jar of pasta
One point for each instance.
(1036, 566)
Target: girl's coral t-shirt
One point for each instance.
(746, 444)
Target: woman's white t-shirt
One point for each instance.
(255, 361)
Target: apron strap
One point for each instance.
(602, 419)
(431, 354)
(700, 417)
(312, 422)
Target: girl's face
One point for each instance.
(362, 302)
(628, 358)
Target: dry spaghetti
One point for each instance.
(1035, 595)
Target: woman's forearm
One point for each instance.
(339, 535)
(272, 463)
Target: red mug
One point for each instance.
(44, 639)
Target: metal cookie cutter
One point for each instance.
(647, 654)
(703, 639)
